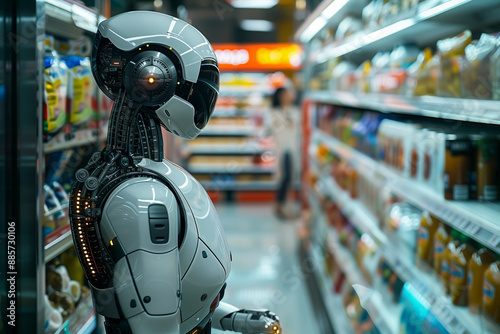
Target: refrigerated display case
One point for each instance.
(43, 120)
(379, 174)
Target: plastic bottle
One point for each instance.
(425, 238)
(459, 271)
(478, 265)
(491, 292)
(445, 261)
(441, 239)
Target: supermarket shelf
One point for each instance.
(225, 150)
(482, 111)
(67, 141)
(56, 209)
(225, 131)
(452, 317)
(382, 313)
(478, 220)
(428, 26)
(256, 185)
(332, 301)
(229, 169)
(327, 13)
(68, 19)
(57, 242)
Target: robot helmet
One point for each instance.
(161, 63)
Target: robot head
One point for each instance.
(162, 63)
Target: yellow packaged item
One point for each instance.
(55, 90)
(80, 90)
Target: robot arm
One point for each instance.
(246, 321)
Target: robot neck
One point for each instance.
(134, 130)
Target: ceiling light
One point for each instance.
(254, 3)
(257, 25)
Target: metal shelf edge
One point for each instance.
(58, 246)
(469, 110)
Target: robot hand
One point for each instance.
(246, 321)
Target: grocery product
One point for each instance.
(450, 52)
(477, 266)
(425, 239)
(459, 271)
(495, 75)
(457, 161)
(476, 68)
(441, 239)
(491, 292)
(423, 74)
(80, 90)
(60, 216)
(416, 316)
(445, 261)
(487, 169)
(55, 91)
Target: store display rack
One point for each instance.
(455, 319)
(431, 21)
(381, 313)
(221, 168)
(478, 220)
(427, 26)
(57, 242)
(470, 110)
(72, 21)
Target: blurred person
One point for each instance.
(285, 130)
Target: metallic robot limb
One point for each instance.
(245, 321)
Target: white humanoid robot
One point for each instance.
(146, 232)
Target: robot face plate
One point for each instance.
(162, 63)
(150, 78)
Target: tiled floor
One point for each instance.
(265, 270)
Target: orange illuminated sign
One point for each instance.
(256, 57)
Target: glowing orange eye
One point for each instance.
(151, 80)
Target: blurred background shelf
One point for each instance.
(57, 242)
(65, 141)
(481, 111)
(478, 220)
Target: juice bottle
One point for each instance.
(491, 292)
(425, 238)
(459, 271)
(441, 239)
(487, 163)
(478, 264)
(445, 261)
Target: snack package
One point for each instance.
(60, 217)
(423, 75)
(80, 90)
(476, 68)
(451, 52)
(54, 97)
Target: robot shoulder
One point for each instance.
(141, 214)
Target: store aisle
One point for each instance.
(266, 271)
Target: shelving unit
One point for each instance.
(455, 319)
(228, 155)
(469, 110)
(427, 26)
(68, 20)
(429, 22)
(67, 141)
(475, 219)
